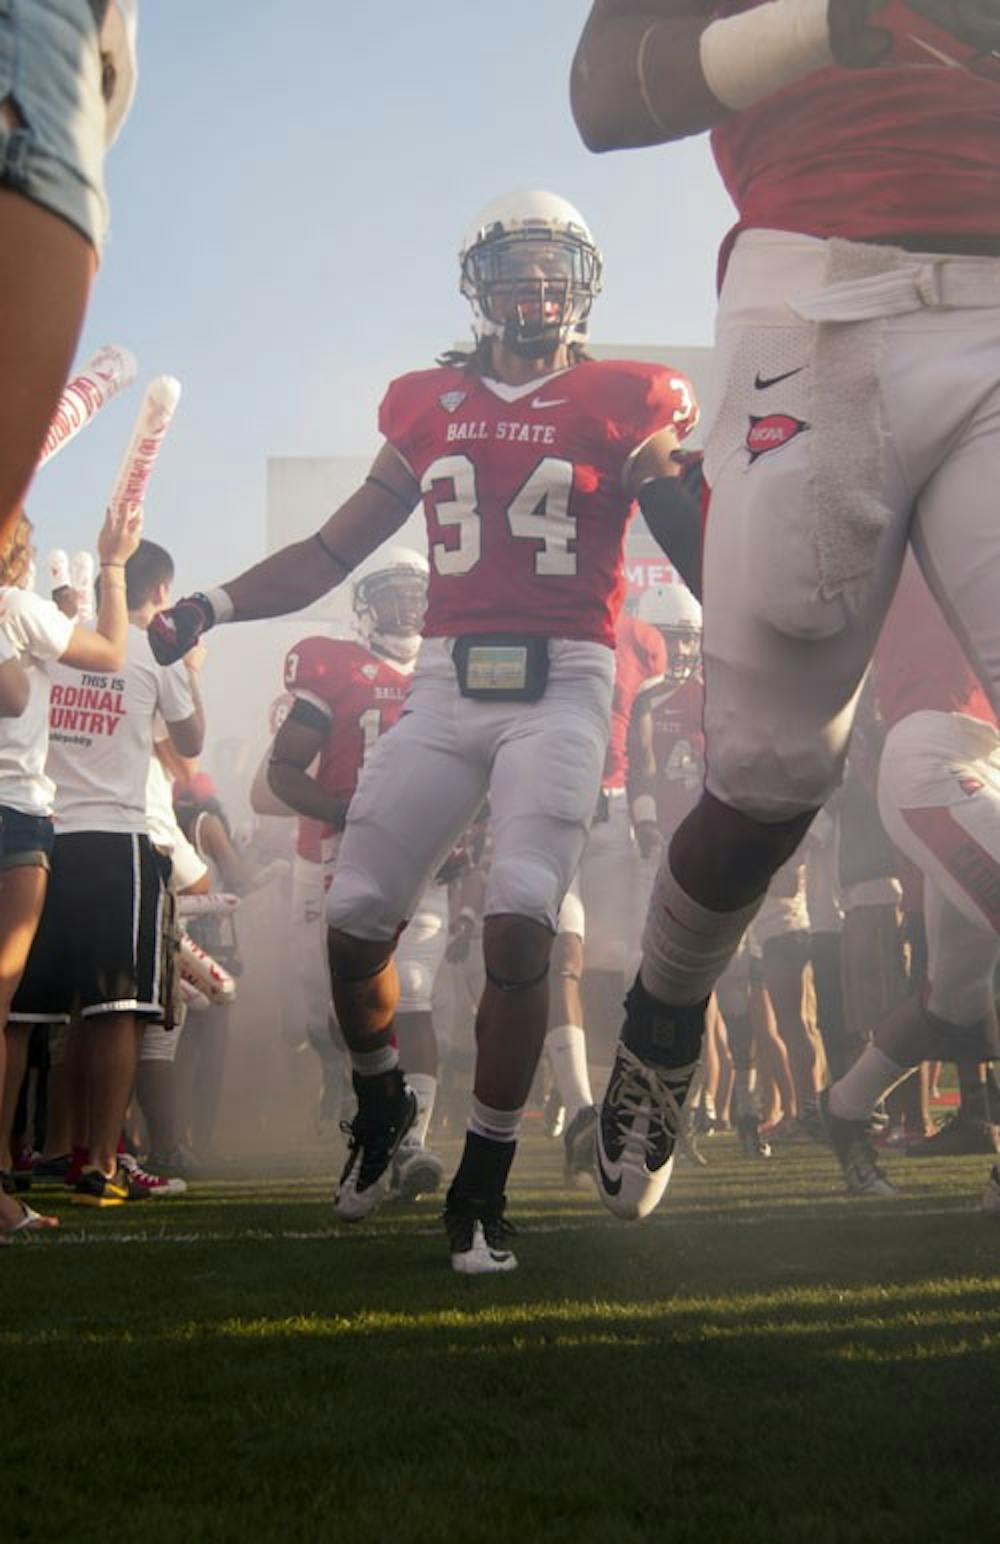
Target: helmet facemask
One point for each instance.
(683, 653)
(390, 607)
(532, 287)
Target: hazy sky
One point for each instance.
(288, 198)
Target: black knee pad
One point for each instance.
(507, 984)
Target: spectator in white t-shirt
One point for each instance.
(101, 946)
(39, 635)
(14, 685)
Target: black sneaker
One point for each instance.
(95, 1188)
(387, 1109)
(478, 1234)
(640, 1121)
(51, 1171)
(959, 1135)
(852, 1142)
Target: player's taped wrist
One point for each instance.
(221, 605)
(750, 56)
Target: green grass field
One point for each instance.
(763, 1360)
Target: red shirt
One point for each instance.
(679, 749)
(912, 147)
(640, 656)
(360, 693)
(918, 662)
(523, 495)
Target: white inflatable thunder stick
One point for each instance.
(107, 373)
(204, 973)
(151, 425)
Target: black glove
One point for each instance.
(973, 22)
(172, 633)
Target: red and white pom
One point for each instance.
(104, 375)
(154, 419)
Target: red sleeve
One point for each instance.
(647, 398)
(670, 401)
(403, 417)
(311, 667)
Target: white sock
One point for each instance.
(855, 1095)
(424, 1087)
(368, 1064)
(495, 1125)
(566, 1046)
(686, 947)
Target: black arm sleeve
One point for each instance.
(308, 716)
(674, 519)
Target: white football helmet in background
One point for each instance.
(673, 610)
(531, 271)
(389, 597)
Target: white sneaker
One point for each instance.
(477, 1236)
(373, 1138)
(991, 1195)
(638, 1131)
(852, 1142)
(416, 1172)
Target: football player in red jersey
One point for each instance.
(939, 799)
(527, 457)
(858, 354)
(344, 696)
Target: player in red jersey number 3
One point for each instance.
(527, 457)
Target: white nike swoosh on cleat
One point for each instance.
(541, 402)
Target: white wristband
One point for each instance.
(222, 607)
(748, 57)
(644, 810)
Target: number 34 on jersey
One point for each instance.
(523, 490)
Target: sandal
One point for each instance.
(31, 1222)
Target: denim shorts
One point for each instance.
(25, 840)
(51, 75)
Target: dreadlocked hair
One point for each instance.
(479, 360)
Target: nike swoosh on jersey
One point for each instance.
(762, 382)
(541, 402)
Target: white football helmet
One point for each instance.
(389, 597)
(531, 271)
(673, 610)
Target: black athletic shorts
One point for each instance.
(101, 944)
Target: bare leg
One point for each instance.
(22, 895)
(46, 267)
(510, 1025)
(113, 1041)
